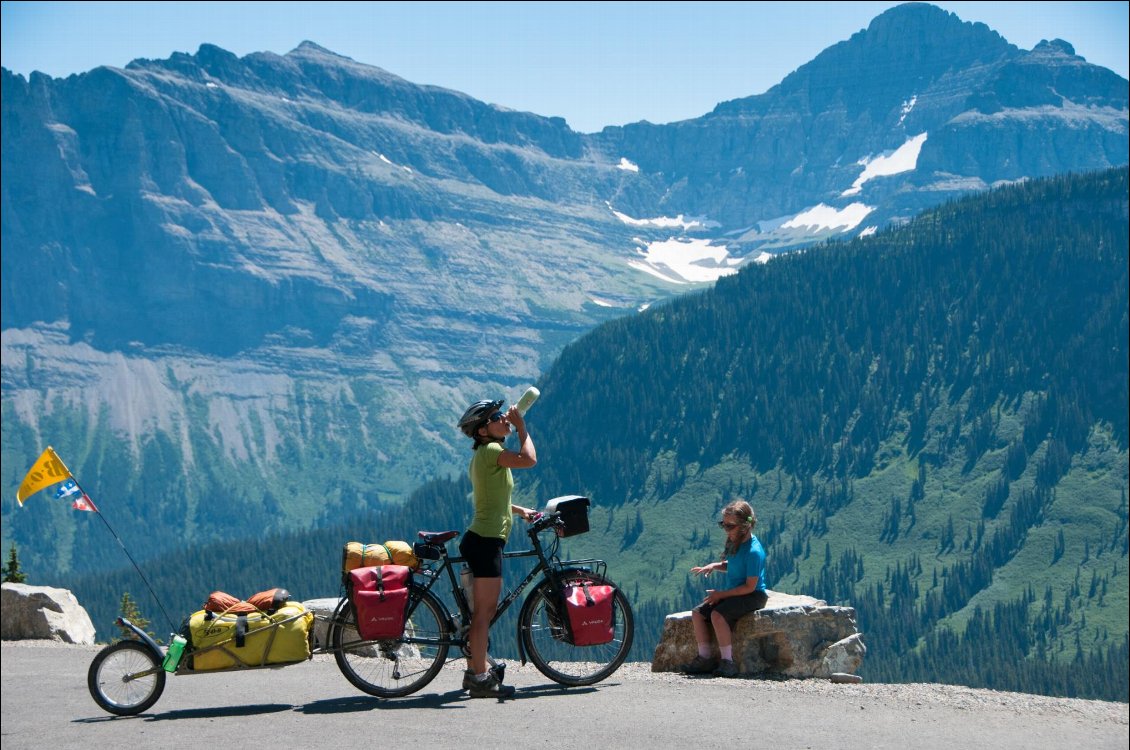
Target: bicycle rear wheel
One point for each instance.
(396, 667)
(125, 678)
(546, 640)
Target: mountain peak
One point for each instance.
(1055, 45)
(899, 54)
(312, 49)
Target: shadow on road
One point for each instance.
(197, 713)
(220, 712)
(368, 703)
(450, 699)
(554, 689)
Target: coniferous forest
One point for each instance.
(931, 423)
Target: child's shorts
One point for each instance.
(733, 608)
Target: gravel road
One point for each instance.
(45, 703)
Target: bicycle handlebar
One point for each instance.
(545, 521)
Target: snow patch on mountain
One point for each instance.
(902, 159)
(907, 106)
(686, 261)
(666, 222)
(823, 216)
(627, 166)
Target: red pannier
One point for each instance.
(380, 597)
(589, 608)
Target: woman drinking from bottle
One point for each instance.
(493, 484)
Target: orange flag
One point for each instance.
(48, 470)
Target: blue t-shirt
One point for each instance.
(747, 562)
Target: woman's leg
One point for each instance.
(486, 591)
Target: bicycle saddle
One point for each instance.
(437, 537)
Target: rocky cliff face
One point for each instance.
(280, 278)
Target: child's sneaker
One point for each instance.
(726, 668)
(699, 665)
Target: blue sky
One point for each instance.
(593, 63)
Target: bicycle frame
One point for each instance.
(548, 566)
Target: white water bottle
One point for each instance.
(527, 400)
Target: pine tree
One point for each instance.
(130, 611)
(12, 572)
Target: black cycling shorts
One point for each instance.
(733, 608)
(482, 554)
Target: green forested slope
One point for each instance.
(931, 424)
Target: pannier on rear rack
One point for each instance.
(574, 511)
(380, 598)
(376, 578)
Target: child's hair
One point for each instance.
(742, 512)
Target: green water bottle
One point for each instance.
(174, 654)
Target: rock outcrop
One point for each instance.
(43, 612)
(794, 636)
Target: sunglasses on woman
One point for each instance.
(728, 526)
(496, 417)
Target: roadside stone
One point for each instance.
(841, 678)
(323, 610)
(43, 612)
(794, 636)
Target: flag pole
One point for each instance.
(122, 545)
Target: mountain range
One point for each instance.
(270, 284)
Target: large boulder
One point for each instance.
(794, 636)
(43, 612)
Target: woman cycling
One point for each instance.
(482, 544)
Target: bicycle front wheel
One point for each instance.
(396, 667)
(125, 678)
(545, 637)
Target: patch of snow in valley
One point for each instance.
(686, 261)
(826, 217)
(869, 231)
(627, 166)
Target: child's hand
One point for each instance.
(704, 570)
